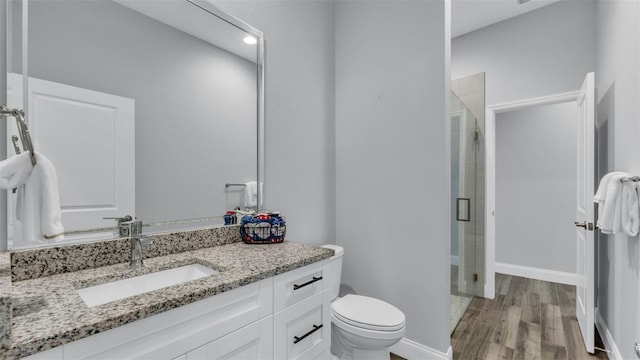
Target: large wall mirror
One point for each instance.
(145, 108)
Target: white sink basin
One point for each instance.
(120, 289)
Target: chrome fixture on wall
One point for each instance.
(631, 179)
(23, 130)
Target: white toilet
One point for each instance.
(362, 327)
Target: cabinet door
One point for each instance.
(253, 341)
(303, 331)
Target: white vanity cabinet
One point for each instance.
(173, 333)
(283, 317)
(302, 322)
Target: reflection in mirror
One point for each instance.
(145, 108)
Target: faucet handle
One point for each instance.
(119, 219)
(127, 226)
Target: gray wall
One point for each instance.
(542, 52)
(300, 164)
(392, 162)
(535, 187)
(618, 82)
(195, 112)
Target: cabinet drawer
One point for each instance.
(254, 341)
(303, 331)
(294, 286)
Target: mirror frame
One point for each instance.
(204, 5)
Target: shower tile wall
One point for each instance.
(471, 90)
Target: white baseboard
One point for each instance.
(455, 260)
(537, 273)
(490, 291)
(412, 350)
(607, 338)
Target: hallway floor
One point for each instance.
(528, 319)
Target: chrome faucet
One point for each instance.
(133, 230)
(128, 227)
(138, 242)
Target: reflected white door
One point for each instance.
(585, 212)
(89, 136)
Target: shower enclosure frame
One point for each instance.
(462, 185)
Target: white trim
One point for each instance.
(490, 200)
(490, 175)
(412, 350)
(537, 273)
(607, 338)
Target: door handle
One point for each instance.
(463, 209)
(585, 225)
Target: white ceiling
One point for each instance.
(470, 15)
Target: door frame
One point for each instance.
(490, 174)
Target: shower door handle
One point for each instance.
(463, 209)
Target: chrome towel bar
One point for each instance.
(631, 179)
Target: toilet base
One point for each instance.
(360, 354)
(342, 349)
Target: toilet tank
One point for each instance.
(333, 271)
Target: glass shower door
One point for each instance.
(465, 134)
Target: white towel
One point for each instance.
(630, 211)
(601, 193)
(15, 170)
(38, 207)
(610, 206)
(251, 194)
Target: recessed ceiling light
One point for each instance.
(250, 40)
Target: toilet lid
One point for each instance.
(369, 313)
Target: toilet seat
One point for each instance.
(367, 313)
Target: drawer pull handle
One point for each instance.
(296, 287)
(298, 339)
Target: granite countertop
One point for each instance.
(48, 312)
(5, 303)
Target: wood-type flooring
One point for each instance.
(528, 319)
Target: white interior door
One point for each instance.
(585, 212)
(89, 136)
